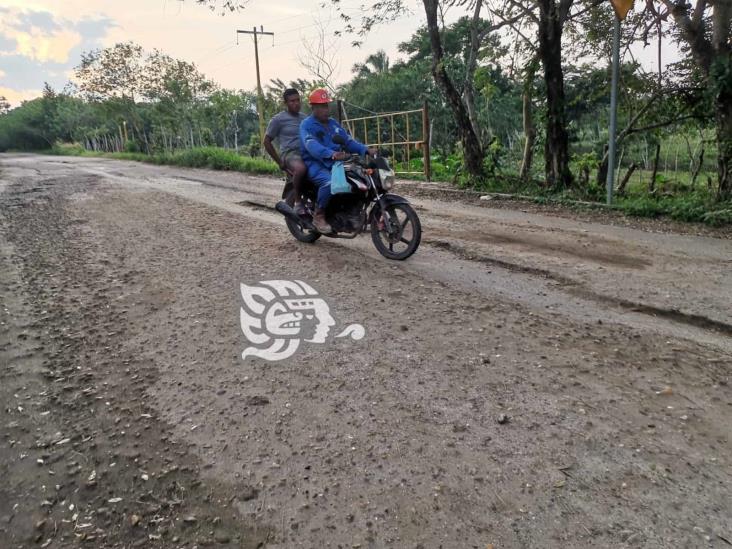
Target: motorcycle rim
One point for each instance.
(303, 235)
(397, 233)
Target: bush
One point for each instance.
(698, 207)
(132, 146)
(718, 218)
(68, 149)
(213, 158)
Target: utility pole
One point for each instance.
(621, 7)
(613, 113)
(260, 95)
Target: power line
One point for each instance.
(294, 29)
(293, 41)
(219, 51)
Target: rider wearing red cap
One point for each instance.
(319, 152)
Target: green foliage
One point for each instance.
(136, 102)
(132, 146)
(158, 109)
(379, 86)
(696, 206)
(220, 159)
(26, 128)
(718, 217)
(213, 158)
(495, 154)
(68, 149)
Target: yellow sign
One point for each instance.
(622, 7)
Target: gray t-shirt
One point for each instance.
(285, 128)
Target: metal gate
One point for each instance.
(406, 133)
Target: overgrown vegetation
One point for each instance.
(199, 157)
(493, 71)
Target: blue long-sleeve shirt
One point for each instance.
(316, 142)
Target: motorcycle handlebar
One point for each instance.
(357, 158)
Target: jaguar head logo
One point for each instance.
(278, 314)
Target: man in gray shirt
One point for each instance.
(285, 128)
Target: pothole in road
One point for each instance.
(256, 205)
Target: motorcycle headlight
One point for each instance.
(387, 179)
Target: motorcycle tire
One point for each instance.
(303, 235)
(404, 216)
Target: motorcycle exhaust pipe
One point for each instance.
(285, 209)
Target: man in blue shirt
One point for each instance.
(319, 152)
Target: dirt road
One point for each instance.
(525, 380)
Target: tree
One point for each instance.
(549, 18)
(319, 56)
(552, 16)
(115, 72)
(460, 103)
(473, 152)
(230, 5)
(376, 63)
(4, 105)
(707, 37)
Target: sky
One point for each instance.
(42, 40)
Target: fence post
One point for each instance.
(426, 142)
(340, 112)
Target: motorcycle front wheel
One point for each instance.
(397, 232)
(303, 235)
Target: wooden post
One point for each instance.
(409, 167)
(378, 133)
(393, 149)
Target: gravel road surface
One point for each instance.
(528, 379)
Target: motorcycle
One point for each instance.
(394, 225)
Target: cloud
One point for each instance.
(38, 45)
(16, 97)
(42, 47)
(24, 73)
(37, 36)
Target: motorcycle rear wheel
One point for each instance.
(404, 238)
(303, 235)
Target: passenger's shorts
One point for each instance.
(290, 156)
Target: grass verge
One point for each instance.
(688, 205)
(213, 158)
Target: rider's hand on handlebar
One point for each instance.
(340, 155)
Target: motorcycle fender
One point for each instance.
(388, 200)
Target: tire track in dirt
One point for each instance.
(578, 288)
